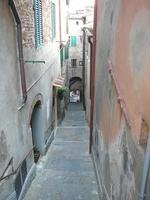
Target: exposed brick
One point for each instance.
(26, 12)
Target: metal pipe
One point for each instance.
(93, 77)
(35, 61)
(91, 74)
(120, 97)
(20, 49)
(83, 70)
(16, 170)
(60, 31)
(91, 48)
(146, 167)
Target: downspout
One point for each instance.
(91, 49)
(83, 71)
(60, 36)
(60, 33)
(20, 49)
(146, 167)
(93, 76)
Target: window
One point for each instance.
(67, 2)
(80, 63)
(144, 134)
(38, 23)
(73, 62)
(53, 20)
(73, 41)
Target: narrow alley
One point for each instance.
(66, 172)
(74, 100)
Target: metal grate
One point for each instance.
(12, 196)
(21, 176)
(18, 185)
(23, 171)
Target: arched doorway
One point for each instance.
(76, 89)
(37, 129)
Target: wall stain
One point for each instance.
(3, 148)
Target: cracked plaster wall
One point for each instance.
(122, 37)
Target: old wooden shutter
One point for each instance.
(73, 41)
(38, 23)
(53, 20)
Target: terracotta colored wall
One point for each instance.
(123, 34)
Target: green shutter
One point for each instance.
(53, 20)
(73, 41)
(61, 56)
(38, 23)
(66, 52)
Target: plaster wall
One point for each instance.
(122, 38)
(15, 129)
(9, 96)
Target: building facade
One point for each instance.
(120, 116)
(30, 63)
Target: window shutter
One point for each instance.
(73, 41)
(66, 52)
(38, 23)
(61, 56)
(53, 20)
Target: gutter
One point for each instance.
(93, 76)
(91, 49)
(60, 28)
(83, 71)
(20, 49)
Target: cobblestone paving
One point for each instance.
(66, 172)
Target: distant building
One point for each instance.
(79, 22)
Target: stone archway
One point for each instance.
(75, 85)
(37, 129)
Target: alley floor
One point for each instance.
(66, 172)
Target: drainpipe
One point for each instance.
(93, 76)
(60, 33)
(91, 49)
(20, 49)
(142, 195)
(83, 71)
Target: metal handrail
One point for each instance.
(120, 97)
(14, 171)
(9, 163)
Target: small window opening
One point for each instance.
(144, 134)
(73, 62)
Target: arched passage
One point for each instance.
(37, 128)
(75, 80)
(76, 89)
